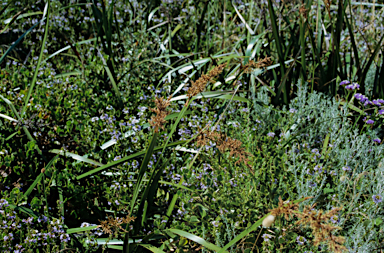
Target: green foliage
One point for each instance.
(79, 158)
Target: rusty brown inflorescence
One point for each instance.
(317, 220)
(199, 86)
(112, 223)
(161, 112)
(224, 143)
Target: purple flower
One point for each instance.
(84, 224)
(358, 96)
(377, 199)
(271, 134)
(312, 184)
(353, 86)
(377, 140)
(334, 219)
(367, 103)
(3, 202)
(318, 168)
(345, 168)
(315, 150)
(381, 112)
(376, 102)
(349, 87)
(292, 110)
(361, 97)
(345, 82)
(301, 240)
(266, 237)
(370, 121)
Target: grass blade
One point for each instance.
(143, 168)
(7, 117)
(78, 230)
(243, 20)
(66, 48)
(74, 156)
(152, 248)
(354, 47)
(369, 62)
(112, 79)
(278, 41)
(17, 42)
(24, 210)
(37, 180)
(125, 159)
(38, 62)
(197, 239)
(325, 145)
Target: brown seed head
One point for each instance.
(318, 221)
(286, 208)
(112, 223)
(160, 110)
(303, 11)
(225, 143)
(199, 86)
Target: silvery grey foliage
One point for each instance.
(346, 148)
(369, 80)
(261, 112)
(351, 163)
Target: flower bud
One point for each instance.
(268, 221)
(342, 178)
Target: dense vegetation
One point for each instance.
(191, 126)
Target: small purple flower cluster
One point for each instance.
(377, 199)
(349, 86)
(361, 97)
(369, 122)
(266, 237)
(301, 240)
(365, 100)
(52, 233)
